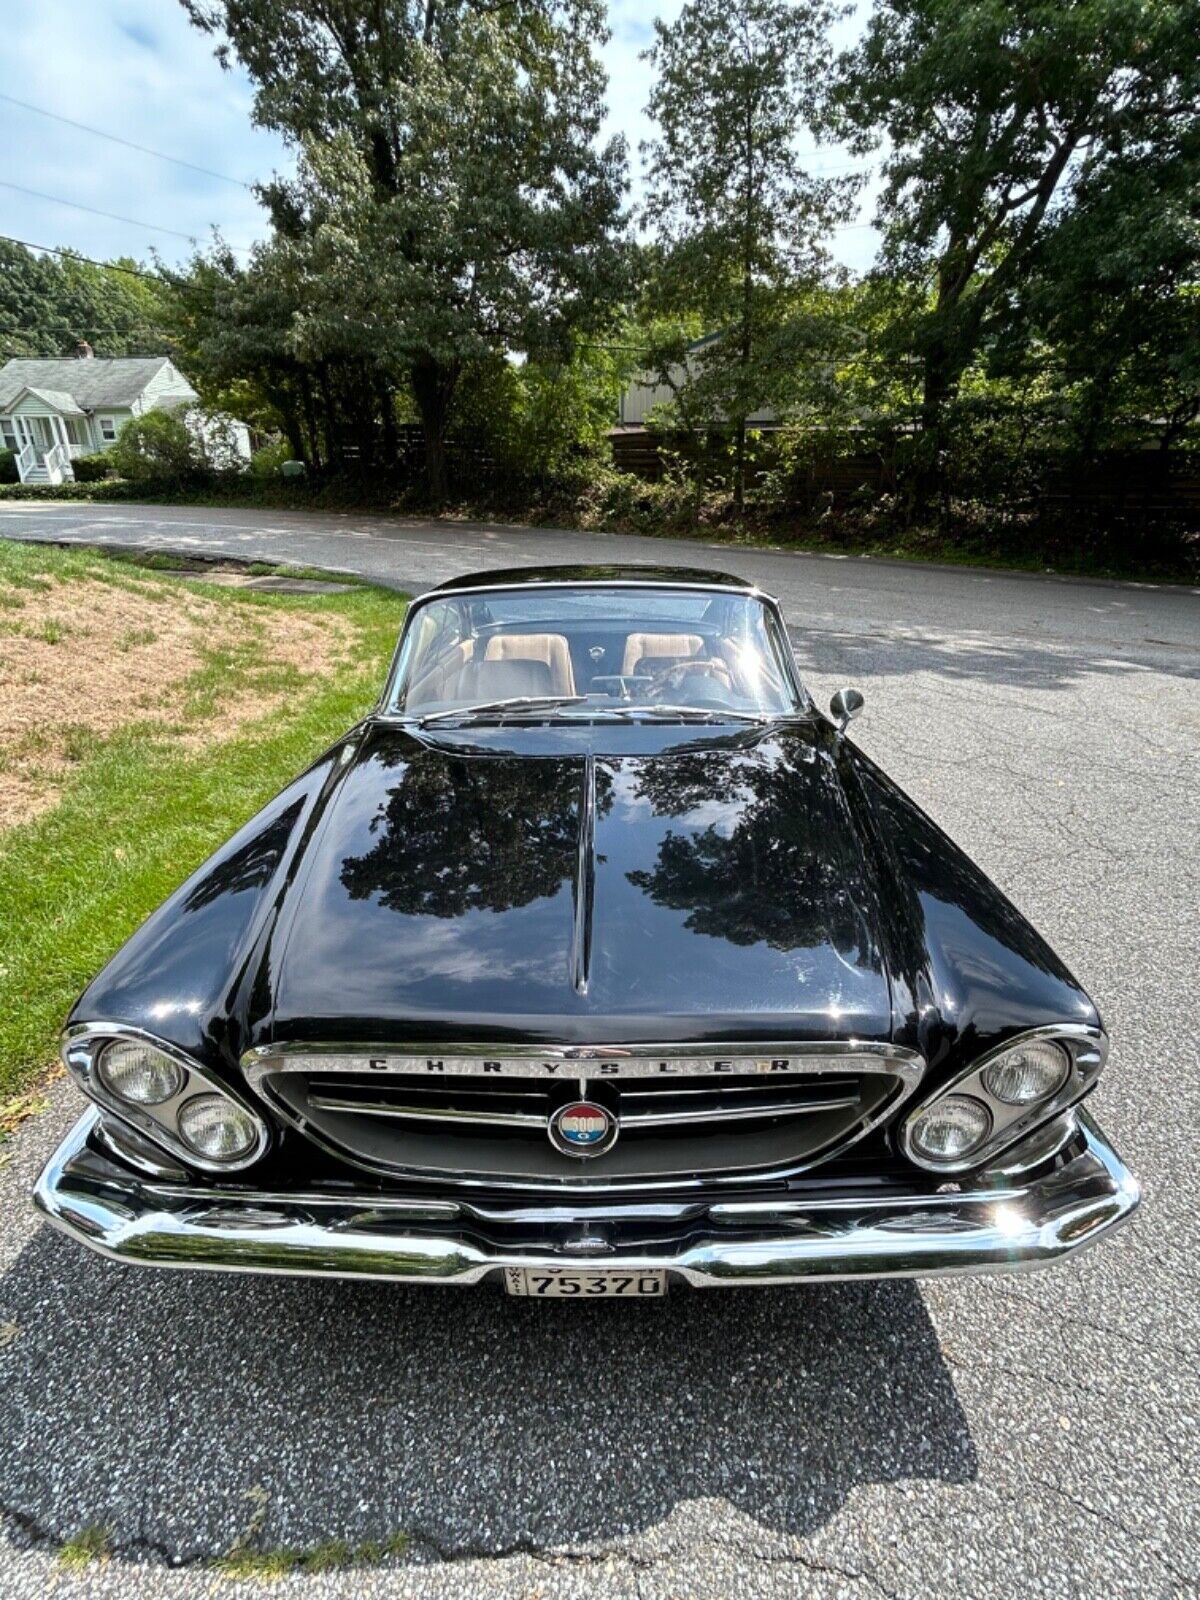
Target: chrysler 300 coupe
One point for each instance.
(595, 959)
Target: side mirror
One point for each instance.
(845, 706)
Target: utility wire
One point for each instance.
(72, 329)
(116, 139)
(73, 255)
(133, 222)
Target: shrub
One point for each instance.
(8, 467)
(157, 448)
(177, 449)
(91, 469)
(267, 462)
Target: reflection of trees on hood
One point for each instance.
(456, 835)
(251, 867)
(782, 871)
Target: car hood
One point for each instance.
(596, 884)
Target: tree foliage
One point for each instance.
(739, 223)
(451, 251)
(49, 303)
(999, 115)
(452, 198)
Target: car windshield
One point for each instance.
(585, 651)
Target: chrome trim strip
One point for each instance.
(573, 1063)
(794, 1108)
(997, 1227)
(536, 1119)
(580, 1064)
(585, 879)
(410, 1113)
(1088, 1049)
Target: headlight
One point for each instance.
(950, 1128)
(216, 1128)
(166, 1094)
(138, 1073)
(1027, 1074)
(1003, 1096)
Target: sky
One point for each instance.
(139, 70)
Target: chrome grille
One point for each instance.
(483, 1117)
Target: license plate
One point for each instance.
(545, 1283)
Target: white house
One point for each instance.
(642, 394)
(55, 409)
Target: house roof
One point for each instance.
(90, 383)
(58, 399)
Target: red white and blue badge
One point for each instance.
(583, 1128)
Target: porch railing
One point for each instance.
(57, 463)
(26, 461)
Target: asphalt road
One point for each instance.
(1025, 1436)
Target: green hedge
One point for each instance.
(109, 489)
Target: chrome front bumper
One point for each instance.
(998, 1223)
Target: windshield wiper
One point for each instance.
(520, 702)
(690, 713)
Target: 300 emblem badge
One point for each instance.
(583, 1128)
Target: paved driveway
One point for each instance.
(1019, 1436)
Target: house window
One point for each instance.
(9, 434)
(108, 429)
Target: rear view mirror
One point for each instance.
(845, 706)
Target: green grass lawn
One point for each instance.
(138, 810)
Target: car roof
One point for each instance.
(517, 577)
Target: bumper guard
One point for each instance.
(994, 1223)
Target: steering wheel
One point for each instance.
(674, 676)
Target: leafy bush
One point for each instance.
(8, 467)
(157, 448)
(93, 468)
(176, 448)
(266, 463)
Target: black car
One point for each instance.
(594, 959)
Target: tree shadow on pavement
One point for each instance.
(1012, 661)
(177, 1409)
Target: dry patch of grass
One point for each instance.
(160, 715)
(86, 656)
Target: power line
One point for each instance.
(73, 255)
(116, 139)
(73, 329)
(133, 222)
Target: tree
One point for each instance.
(452, 197)
(1110, 315)
(738, 219)
(49, 303)
(995, 113)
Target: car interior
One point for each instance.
(478, 660)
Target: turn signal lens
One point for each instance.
(216, 1128)
(138, 1073)
(1028, 1074)
(951, 1128)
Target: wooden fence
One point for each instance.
(1157, 484)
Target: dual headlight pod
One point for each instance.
(166, 1095)
(1003, 1096)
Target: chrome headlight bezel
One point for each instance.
(1086, 1048)
(82, 1046)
